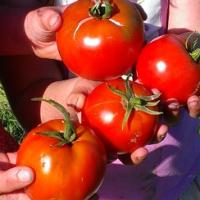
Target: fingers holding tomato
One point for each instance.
(81, 89)
(141, 153)
(137, 156)
(172, 109)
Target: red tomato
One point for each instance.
(100, 47)
(71, 171)
(104, 111)
(166, 64)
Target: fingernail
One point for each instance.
(139, 159)
(24, 176)
(161, 137)
(173, 106)
(53, 20)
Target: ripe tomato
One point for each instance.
(166, 64)
(100, 40)
(63, 171)
(105, 111)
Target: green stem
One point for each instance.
(192, 45)
(102, 9)
(131, 101)
(69, 133)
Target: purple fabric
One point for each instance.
(167, 171)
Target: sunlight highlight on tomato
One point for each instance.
(100, 40)
(68, 159)
(124, 122)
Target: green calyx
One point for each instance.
(102, 9)
(69, 134)
(192, 45)
(132, 101)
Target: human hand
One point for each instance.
(172, 108)
(81, 89)
(40, 27)
(70, 93)
(194, 106)
(13, 179)
(141, 153)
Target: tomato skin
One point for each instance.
(69, 172)
(104, 112)
(166, 65)
(100, 49)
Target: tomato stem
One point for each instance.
(192, 45)
(102, 9)
(131, 101)
(69, 133)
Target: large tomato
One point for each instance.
(100, 39)
(65, 169)
(123, 117)
(169, 63)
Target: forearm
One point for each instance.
(184, 16)
(13, 40)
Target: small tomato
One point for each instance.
(171, 63)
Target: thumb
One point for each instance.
(81, 89)
(15, 178)
(76, 100)
(41, 24)
(50, 18)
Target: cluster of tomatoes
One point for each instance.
(103, 41)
